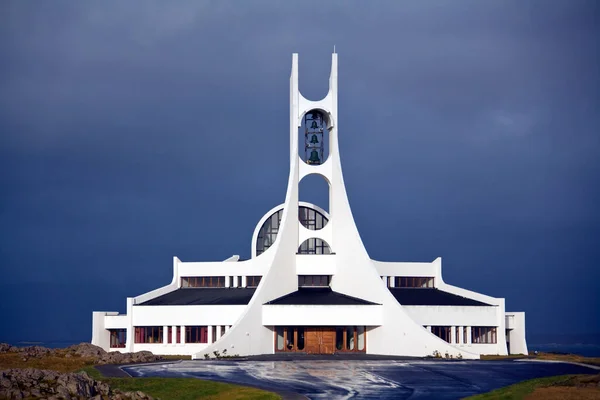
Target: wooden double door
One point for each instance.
(319, 340)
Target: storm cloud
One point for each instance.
(131, 132)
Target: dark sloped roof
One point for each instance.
(203, 296)
(431, 297)
(319, 296)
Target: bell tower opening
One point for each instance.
(315, 189)
(314, 137)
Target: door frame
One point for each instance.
(319, 329)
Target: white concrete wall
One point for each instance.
(312, 264)
(186, 315)
(115, 321)
(393, 269)
(321, 315)
(517, 339)
(101, 336)
(220, 268)
(453, 315)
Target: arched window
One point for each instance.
(268, 232)
(314, 246)
(309, 218)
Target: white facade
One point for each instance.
(377, 301)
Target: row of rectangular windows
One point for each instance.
(411, 281)
(199, 334)
(218, 281)
(479, 334)
(314, 280)
(154, 334)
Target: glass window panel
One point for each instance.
(267, 234)
(289, 338)
(339, 338)
(300, 331)
(279, 338)
(350, 338)
(360, 331)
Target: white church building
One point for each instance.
(310, 285)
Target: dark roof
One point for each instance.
(431, 297)
(203, 296)
(319, 296)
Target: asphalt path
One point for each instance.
(365, 379)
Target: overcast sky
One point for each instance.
(131, 132)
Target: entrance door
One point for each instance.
(327, 341)
(319, 340)
(312, 340)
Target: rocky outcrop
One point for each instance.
(87, 350)
(37, 384)
(27, 352)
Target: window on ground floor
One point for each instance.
(148, 334)
(413, 282)
(483, 334)
(443, 332)
(202, 281)
(196, 334)
(279, 340)
(214, 333)
(118, 337)
(170, 334)
(178, 335)
(252, 281)
(464, 334)
(360, 333)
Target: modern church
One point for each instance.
(310, 285)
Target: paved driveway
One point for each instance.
(360, 379)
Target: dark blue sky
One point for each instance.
(131, 132)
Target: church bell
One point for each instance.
(314, 125)
(314, 158)
(314, 140)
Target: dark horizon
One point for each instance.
(135, 132)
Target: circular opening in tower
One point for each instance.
(314, 137)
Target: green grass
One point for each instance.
(522, 389)
(183, 388)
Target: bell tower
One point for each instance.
(318, 123)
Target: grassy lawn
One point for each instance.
(183, 388)
(508, 357)
(561, 387)
(569, 358)
(55, 363)
(547, 356)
